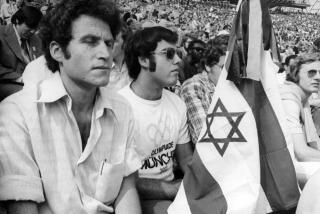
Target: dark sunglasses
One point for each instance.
(198, 49)
(312, 73)
(168, 52)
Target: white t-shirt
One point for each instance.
(161, 124)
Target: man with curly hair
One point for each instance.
(67, 144)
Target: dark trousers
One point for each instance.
(155, 206)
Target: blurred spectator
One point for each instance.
(286, 68)
(225, 30)
(18, 46)
(119, 76)
(8, 8)
(191, 63)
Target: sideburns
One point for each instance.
(66, 53)
(152, 63)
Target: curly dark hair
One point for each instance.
(126, 32)
(194, 42)
(216, 48)
(142, 43)
(57, 24)
(29, 15)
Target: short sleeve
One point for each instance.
(19, 174)
(183, 136)
(292, 110)
(133, 160)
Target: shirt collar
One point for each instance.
(205, 75)
(104, 101)
(17, 34)
(52, 89)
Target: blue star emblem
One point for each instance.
(234, 135)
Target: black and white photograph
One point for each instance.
(159, 106)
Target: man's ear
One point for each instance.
(56, 51)
(144, 62)
(207, 68)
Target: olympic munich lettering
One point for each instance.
(161, 148)
(160, 159)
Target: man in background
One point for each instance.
(18, 46)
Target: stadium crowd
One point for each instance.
(102, 102)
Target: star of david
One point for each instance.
(234, 135)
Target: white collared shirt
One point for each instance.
(35, 72)
(41, 154)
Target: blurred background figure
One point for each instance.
(18, 46)
(191, 63)
(8, 8)
(119, 76)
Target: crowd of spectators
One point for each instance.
(295, 32)
(203, 20)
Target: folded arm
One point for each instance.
(154, 189)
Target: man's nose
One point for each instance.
(317, 76)
(104, 51)
(177, 59)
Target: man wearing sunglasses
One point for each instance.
(160, 115)
(191, 63)
(302, 80)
